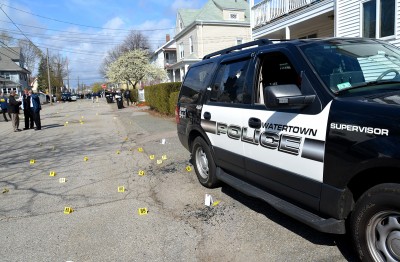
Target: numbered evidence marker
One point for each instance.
(188, 168)
(62, 180)
(141, 173)
(159, 161)
(68, 210)
(52, 173)
(140, 149)
(32, 161)
(118, 152)
(85, 158)
(215, 203)
(121, 189)
(143, 211)
(164, 157)
(151, 157)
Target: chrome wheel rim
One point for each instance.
(201, 162)
(383, 236)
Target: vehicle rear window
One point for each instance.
(197, 79)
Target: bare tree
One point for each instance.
(30, 53)
(135, 40)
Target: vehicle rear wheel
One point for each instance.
(204, 163)
(375, 224)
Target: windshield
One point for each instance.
(344, 65)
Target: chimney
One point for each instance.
(167, 38)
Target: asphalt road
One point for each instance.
(105, 224)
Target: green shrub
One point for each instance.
(159, 96)
(173, 100)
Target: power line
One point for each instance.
(89, 26)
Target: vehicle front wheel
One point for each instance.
(204, 163)
(375, 224)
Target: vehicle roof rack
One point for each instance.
(258, 42)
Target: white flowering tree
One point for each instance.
(134, 66)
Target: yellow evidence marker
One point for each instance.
(140, 149)
(151, 157)
(85, 158)
(142, 211)
(215, 203)
(159, 161)
(52, 173)
(188, 168)
(118, 152)
(68, 210)
(62, 180)
(32, 161)
(121, 189)
(164, 157)
(141, 173)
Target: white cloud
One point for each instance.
(191, 4)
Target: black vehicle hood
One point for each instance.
(387, 98)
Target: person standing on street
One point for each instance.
(127, 96)
(27, 109)
(13, 109)
(4, 106)
(35, 109)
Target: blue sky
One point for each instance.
(84, 30)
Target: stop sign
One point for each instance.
(104, 86)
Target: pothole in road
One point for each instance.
(209, 215)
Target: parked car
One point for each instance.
(73, 97)
(311, 127)
(43, 98)
(66, 97)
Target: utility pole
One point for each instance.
(78, 84)
(69, 87)
(48, 77)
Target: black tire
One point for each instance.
(204, 164)
(375, 224)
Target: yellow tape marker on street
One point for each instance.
(188, 168)
(164, 157)
(142, 211)
(62, 180)
(52, 173)
(151, 157)
(85, 158)
(140, 149)
(215, 203)
(159, 161)
(121, 189)
(141, 173)
(68, 210)
(32, 161)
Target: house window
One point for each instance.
(191, 44)
(180, 24)
(181, 51)
(378, 18)
(233, 16)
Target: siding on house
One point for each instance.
(348, 17)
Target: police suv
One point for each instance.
(312, 127)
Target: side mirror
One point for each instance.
(286, 97)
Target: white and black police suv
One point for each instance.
(312, 127)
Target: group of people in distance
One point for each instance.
(30, 104)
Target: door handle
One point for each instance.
(207, 115)
(254, 122)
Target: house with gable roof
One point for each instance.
(217, 25)
(13, 75)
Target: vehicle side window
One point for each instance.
(230, 83)
(276, 70)
(197, 79)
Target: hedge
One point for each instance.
(163, 97)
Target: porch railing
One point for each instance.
(268, 10)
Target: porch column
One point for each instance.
(287, 32)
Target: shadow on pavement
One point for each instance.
(51, 126)
(342, 242)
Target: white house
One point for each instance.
(290, 19)
(13, 75)
(165, 56)
(217, 25)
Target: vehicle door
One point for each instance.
(223, 116)
(284, 145)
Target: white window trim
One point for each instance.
(191, 47)
(181, 51)
(378, 21)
